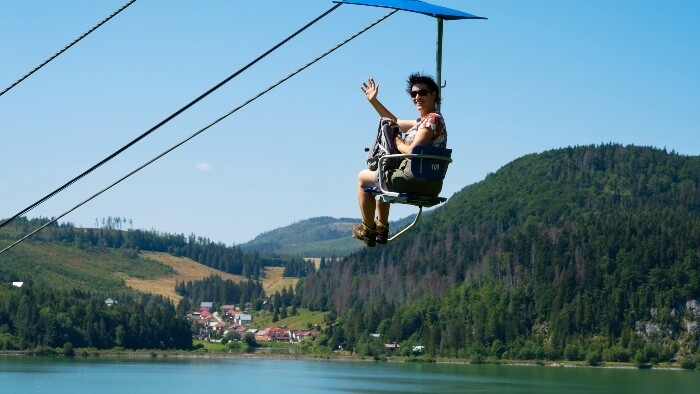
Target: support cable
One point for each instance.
(67, 47)
(200, 131)
(166, 120)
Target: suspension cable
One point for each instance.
(67, 47)
(166, 120)
(200, 131)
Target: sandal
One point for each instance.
(364, 234)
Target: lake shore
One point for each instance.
(265, 353)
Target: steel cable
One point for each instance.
(67, 47)
(200, 131)
(166, 120)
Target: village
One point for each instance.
(230, 322)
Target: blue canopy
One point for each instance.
(418, 6)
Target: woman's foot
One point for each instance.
(365, 234)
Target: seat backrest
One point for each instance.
(429, 167)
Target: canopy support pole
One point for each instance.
(438, 59)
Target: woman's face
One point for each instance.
(423, 98)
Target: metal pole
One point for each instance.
(438, 58)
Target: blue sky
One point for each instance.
(535, 76)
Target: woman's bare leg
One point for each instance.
(383, 212)
(366, 200)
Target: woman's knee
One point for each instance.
(366, 177)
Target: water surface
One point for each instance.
(28, 374)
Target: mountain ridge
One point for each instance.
(321, 236)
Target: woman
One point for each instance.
(429, 129)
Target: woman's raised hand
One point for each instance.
(370, 89)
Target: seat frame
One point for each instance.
(419, 161)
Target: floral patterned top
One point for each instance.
(432, 121)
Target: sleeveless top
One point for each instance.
(434, 122)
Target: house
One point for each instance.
(273, 334)
(205, 314)
(299, 335)
(207, 304)
(391, 346)
(110, 302)
(218, 327)
(193, 315)
(284, 334)
(242, 318)
(226, 308)
(240, 330)
(279, 334)
(262, 335)
(202, 317)
(239, 317)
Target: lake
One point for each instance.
(25, 374)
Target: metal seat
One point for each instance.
(428, 163)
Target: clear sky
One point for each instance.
(535, 76)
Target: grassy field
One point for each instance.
(185, 269)
(109, 270)
(274, 281)
(301, 321)
(69, 267)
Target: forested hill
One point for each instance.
(566, 245)
(316, 237)
(227, 258)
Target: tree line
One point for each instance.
(221, 292)
(282, 303)
(33, 317)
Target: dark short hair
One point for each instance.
(418, 78)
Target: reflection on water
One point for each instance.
(261, 375)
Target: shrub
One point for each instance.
(573, 352)
(594, 358)
(617, 353)
(68, 349)
(689, 362)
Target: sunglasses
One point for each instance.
(421, 92)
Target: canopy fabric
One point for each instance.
(417, 6)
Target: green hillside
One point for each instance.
(67, 274)
(316, 237)
(585, 252)
(62, 266)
